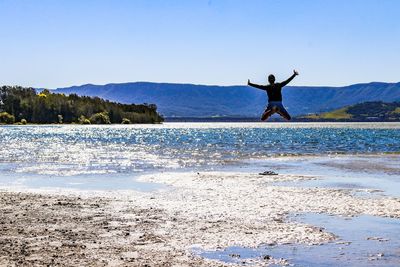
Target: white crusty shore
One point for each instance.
(210, 210)
(226, 209)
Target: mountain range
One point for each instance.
(189, 100)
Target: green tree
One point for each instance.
(84, 120)
(100, 118)
(6, 118)
(126, 121)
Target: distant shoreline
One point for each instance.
(255, 119)
(208, 120)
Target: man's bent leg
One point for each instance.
(283, 112)
(267, 113)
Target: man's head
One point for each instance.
(271, 79)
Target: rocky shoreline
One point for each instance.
(210, 210)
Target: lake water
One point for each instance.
(78, 150)
(362, 241)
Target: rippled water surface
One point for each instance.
(73, 149)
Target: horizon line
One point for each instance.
(198, 84)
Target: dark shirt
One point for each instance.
(274, 91)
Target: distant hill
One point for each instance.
(24, 105)
(368, 111)
(188, 100)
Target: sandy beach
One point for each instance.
(195, 212)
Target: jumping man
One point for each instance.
(274, 92)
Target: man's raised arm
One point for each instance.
(295, 73)
(262, 87)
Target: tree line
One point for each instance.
(24, 105)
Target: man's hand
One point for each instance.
(295, 72)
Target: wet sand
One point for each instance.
(210, 210)
(50, 229)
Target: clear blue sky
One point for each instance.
(55, 43)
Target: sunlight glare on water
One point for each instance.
(75, 149)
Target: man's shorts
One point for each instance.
(275, 106)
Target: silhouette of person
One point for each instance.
(274, 92)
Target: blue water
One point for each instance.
(75, 150)
(359, 173)
(362, 241)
